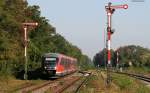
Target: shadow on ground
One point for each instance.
(33, 75)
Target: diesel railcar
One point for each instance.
(55, 64)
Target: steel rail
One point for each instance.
(82, 83)
(137, 76)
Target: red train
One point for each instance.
(55, 64)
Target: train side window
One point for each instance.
(62, 61)
(66, 63)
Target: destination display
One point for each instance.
(50, 59)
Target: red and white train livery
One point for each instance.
(55, 64)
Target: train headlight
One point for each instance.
(45, 67)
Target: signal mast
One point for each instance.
(110, 10)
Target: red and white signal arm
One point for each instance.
(30, 24)
(125, 6)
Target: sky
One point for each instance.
(83, 22)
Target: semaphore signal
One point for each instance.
(110, 10)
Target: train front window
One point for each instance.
(50, 62)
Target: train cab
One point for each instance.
(55, 64)
(49, 64)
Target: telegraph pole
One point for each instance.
(110, 10)
(25, 26)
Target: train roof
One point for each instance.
(58, 55)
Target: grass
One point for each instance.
(48, 91)
(142, 89)
(129, 85)
(9, 83)
(140, 70)
(123, 82)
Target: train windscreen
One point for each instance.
(50, 62)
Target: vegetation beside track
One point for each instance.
(96, 84)
(93, 85)
(127, 84)
(10, 84)
(138, 70)
(119, 84)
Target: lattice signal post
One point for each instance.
(25, 26)
(110, 10)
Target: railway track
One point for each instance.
(29, 88)
(67, 85)
(56, 86)
(137, 76)
(72, 83)
(23, 87)
(134, 75)
(82, 83)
